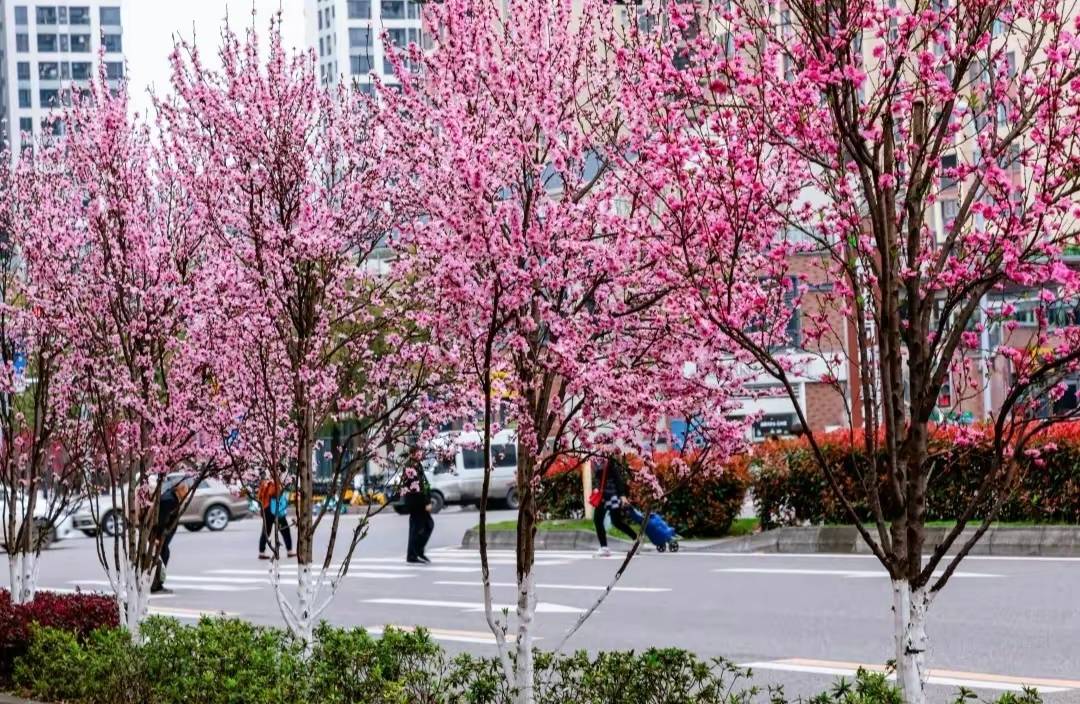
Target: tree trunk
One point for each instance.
(23, 569)
(909, 624)
(133, 599)
(526, 581)
(305, 499)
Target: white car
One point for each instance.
(61, 527)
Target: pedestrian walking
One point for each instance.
(417, 495)
(274, 503)
(609, 497)
(168, 517)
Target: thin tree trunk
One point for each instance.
(526, 580)
(133, 598)
(909, 631)
(23, 569)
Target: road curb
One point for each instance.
(1005, 541)
(12, 699)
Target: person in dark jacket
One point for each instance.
(169, 503)
(609, 478)
(416, 493)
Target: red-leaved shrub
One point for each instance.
(79, 614)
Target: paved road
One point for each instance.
(801, 619)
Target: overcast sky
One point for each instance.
(150, 25)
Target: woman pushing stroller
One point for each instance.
(610, 496)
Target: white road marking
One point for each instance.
(444, 634)
(188, 613)
(577, 587)
(185, 587)
(948, 678)
(850, 574)
(542, 607)
(292, 574)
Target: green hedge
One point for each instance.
(790, 489)
(233, 662)
(700, 503)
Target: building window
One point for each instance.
(359, 9)
(114, 69)
(393, 9)
(359, 38)
(110, 16)
(46, 43)
(49, 71)
(65, 71)
(49, 97)
(950, 208)
(79, 15)
(22, 42)
(948, 163)
(62, 13)
(24, 98)
(80, 70)
(80, 43)
(26, 124)
(362, 64)
(413, 9)
(64, 44)
(46, 15)
(112, 42)
(23, 69)
(20, 15)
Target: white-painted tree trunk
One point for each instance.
(523, 665)
(301, 618)
(23, 569)
(909, 629)
(132, 589)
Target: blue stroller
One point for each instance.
(656, 530)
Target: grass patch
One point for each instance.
(741, 526)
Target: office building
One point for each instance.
(46, 51)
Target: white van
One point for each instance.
(455, 469)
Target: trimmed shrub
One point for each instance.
(560, 494)
(790, 489)
(224, 661)
(697, 500)
(76, 614)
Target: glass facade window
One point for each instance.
(359, 38)
(79, 15)
(26, 124)
(20, 15)
(46, 43)
(46, 15)
(49, 97)
(80, 43)
(22, 42)
(110, 16)
(61, 13)
(23, 70)
(359, 9)
(114, 69)
(24, 98)
(362, 64)
(65, 45)
(80, 70)
(112, 42)
(393, 9)
(49, 71)
(65, 71)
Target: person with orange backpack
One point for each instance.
(274, 503)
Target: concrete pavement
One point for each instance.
(799, 619)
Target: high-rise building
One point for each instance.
(347, 36)
(46, 51)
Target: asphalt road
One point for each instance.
(801, 620)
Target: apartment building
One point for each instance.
(48, 50)
(347, 36)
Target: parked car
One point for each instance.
(455, 471)
(59, 528)
(212, 506)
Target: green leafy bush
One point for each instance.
(232, 662)
(790, 489)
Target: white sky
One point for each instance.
(150, 25)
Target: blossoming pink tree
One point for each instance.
(43, 438)
(532, 272)
(906, 174)
(117, 253)
(310, 322)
